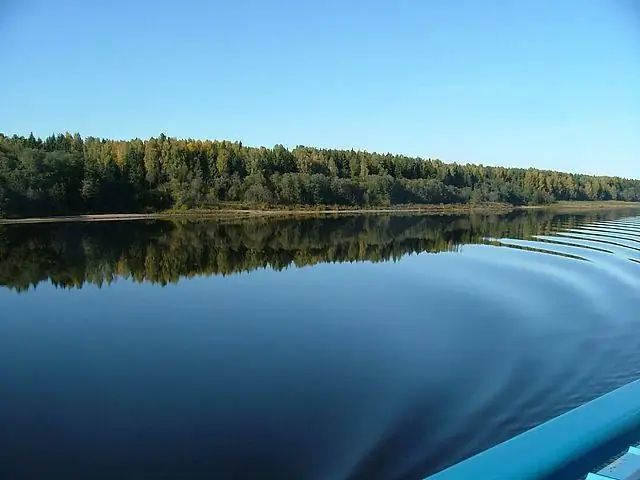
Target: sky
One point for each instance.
(553, 84)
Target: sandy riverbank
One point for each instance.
(227, 213)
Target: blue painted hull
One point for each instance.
(577, 441)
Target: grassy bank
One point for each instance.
(238, 210)
(242, 211)
(584, 206)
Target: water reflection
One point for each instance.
(172, 363)
(162, 252)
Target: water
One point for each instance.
(381, 347)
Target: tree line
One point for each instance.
(70, 255)
(66, 174)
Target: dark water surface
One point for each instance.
(368, 347)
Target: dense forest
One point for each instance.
(65, 174)
(70, 255)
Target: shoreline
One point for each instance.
(226, 213)
(582, 205)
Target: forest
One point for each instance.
(70, 255)
(67, 174)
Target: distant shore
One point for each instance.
(227, 213)
(582, 206)
(241, 212)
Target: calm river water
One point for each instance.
(366, 347)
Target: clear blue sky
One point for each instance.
(545, 83)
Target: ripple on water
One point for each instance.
(593, 348)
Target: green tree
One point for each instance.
(66, 173)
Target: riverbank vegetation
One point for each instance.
(65, 174)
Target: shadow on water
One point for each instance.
(451, 334)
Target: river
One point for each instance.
(345, 347)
